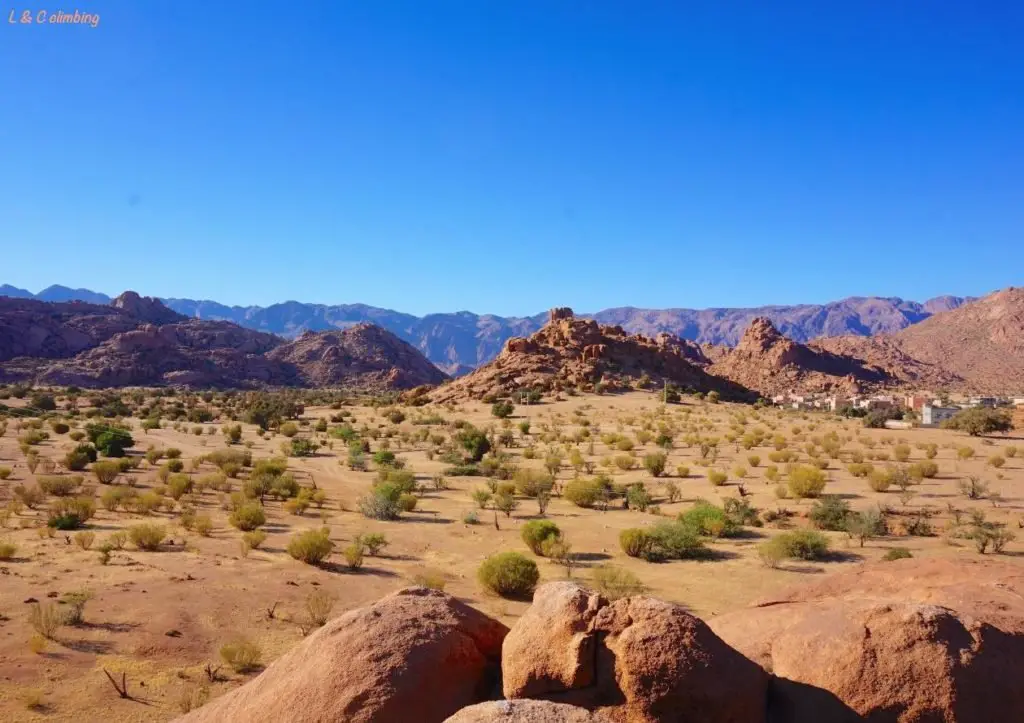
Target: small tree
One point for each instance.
(978, 421)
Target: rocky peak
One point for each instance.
(560, 312)
(145, 308)
(760, 335)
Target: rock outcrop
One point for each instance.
(525, 711)
(415, 655)
(909, 641)
(767, 361)
(637, 659)
(571, 353)
(364, 356)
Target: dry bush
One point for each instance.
(147, 536)
(615, 582)
(312, 546)
(319, 604)
(46, 618)
(241, 654)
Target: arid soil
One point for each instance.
(161, 617)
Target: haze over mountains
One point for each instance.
(460, 341)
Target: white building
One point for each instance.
(932, 416)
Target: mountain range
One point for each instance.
(458, 342)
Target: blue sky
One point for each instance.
(508, 156)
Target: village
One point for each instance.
(920, 409)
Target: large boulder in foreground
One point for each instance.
(902, 642)
(525, 711)
(416, 654)
(637, 659)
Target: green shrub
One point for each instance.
(252, 540)
(503, 409)
(536, 532)
(381, 503)
(830, 513)
(655, 463)
(374, 542)
(582, 492)
(801, 544)
(311, 546)
(709, 520)
(509, 574)
(248, 517)
(677, 540)
(717, 477)
(532, 482)
(407, 502)
(353, 555)
(147, 536)
(178, 485)
(7, 549)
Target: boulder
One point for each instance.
(416, 654)
(636, 659)
(907, 641)
(525, 711)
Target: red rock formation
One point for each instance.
(415, 655)
(907, 641)
(637, 660)
(569, 352)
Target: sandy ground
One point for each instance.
(161, 617)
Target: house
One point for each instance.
(983, 401)
(915, 402)
(932, 416)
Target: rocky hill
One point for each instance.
(977, 347)
(364, 355)
(137, 341)
(911, 640)
(569, 352)
(767, 361)
(463, 340)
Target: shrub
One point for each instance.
(802, 544)
(111, 442)
(708, 519)
(106, 472)
(977, 421)
(252, 540)
(374, 542)
(147, 536)
(311, 546)
(70, 513)
(248, 516)
(381, 503)
(5, 472)
(771, 552)
(433, 579)
(923, 470)
(46, 618)
(532, 482)
(502, 410)
(536, 532)
(830, 513)
(241, 654)
(353, 555)
(178, 485)
(59, 486)
(717, 477)
(79, 458)
(806, 481)
(75, 602)
(7, 549)
(615, 582)
(635, 542)
(637, 497)
(675, 540)
(508, 574)
(582, 492)
(85, 538)
(319, 604)
(865, 525)
(655, 463)
(896, 553)
(117, 539)
(407, 502)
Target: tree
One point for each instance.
(978, 421)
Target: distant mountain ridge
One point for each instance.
(459, 341)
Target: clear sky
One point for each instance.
(507, 156)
